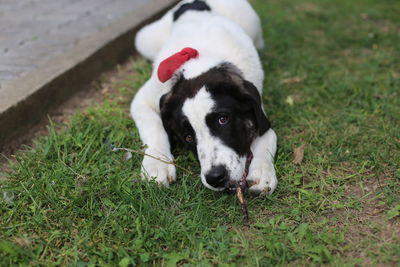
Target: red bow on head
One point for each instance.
(169, 65)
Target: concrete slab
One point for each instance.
(51, 49)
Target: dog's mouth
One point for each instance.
(231, 186)
(228, 177)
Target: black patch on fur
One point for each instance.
(196, 5)
(235, 97)
(175, 123)
(234, 134)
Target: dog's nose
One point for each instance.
(217, 177)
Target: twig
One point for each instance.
(243, 205)
(151, 156)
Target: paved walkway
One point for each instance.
(32, 31)
(50, 49)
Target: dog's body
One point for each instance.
(212, 103)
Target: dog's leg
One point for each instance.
(146, 113)
(262, 177)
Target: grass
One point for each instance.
(332, 84)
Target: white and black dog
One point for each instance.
(206, 96)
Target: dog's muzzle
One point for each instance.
(218, 176)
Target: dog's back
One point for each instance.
(152, 37)
(217, 40)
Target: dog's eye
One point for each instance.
(223, 120)
(189, 138)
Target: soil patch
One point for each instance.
(368, 230)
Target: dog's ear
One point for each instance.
(250, 93)
(163, 102)
(166, 117)
(166, 114)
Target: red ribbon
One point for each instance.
(169, 65)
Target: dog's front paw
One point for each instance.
(158, 170)
(261, 178)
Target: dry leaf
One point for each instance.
(298, 154)
(395, 75)
(23, 242)
(289, 100)
(292, 80)
(105, 91)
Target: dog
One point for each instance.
(205, 93)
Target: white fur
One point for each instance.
(227, 34)
(152, 37)
(211, 150)
(262, 166)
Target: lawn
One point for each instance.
(332, 84)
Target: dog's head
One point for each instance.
(216, 114)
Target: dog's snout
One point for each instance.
(217, 177)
